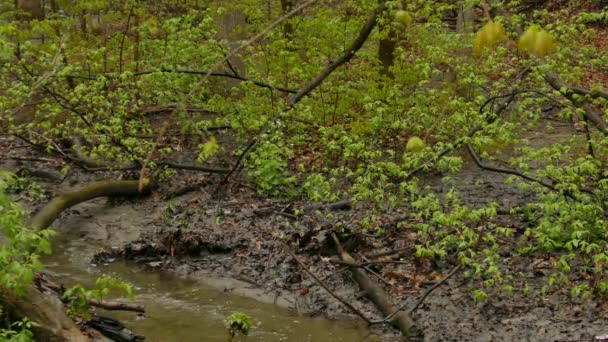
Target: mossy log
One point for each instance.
(47, 311)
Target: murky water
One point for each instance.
(179, 309)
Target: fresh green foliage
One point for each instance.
(21, 246)
(238, 322)
(79, 297)
(20, 331)
(349, 138)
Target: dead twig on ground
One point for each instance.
(324, 286)
(401, 320)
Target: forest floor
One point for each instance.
(240, 235)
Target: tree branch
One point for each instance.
(322, 284)
(304, 91)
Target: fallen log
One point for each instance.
(46, 285)
(47, 311)
(116, 306)
(45, 217)
(400, 320)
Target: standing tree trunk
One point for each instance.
(386, 51)
(30, 9)
(286, 6)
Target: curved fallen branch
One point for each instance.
(45, 217)
(46, 310)
(399, 319)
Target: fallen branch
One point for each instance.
(426, 294)
(558, 84)
(568, 91)
(483, 166)
(116, 306)
(401, 320)
(45, 217)
(324, 286)
(45, 285)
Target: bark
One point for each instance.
(465, 21)
(386, 51)
(48, 311)
(286, 6)
(591, 113)
(400, 320)
(30, 9)
(45, 217)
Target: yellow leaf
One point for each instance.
(414, 144)
(488, 36)
(404, 17)
(537, 42)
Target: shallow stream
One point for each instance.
(179, 309)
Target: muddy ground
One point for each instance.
(239, 236)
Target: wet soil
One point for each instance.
(234, 244)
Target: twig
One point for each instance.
(322, 284)
(312, 85)
(432, 288)
(375, 293)
(194, 72)
(483, 166)
(194, 167)
(368, 263)
(122, 40)
(334, 273)
(426, 294)
(480, 164)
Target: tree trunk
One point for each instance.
(47, 311)
(30, 9)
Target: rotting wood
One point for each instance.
(401, 320)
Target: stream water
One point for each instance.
(178, 309)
